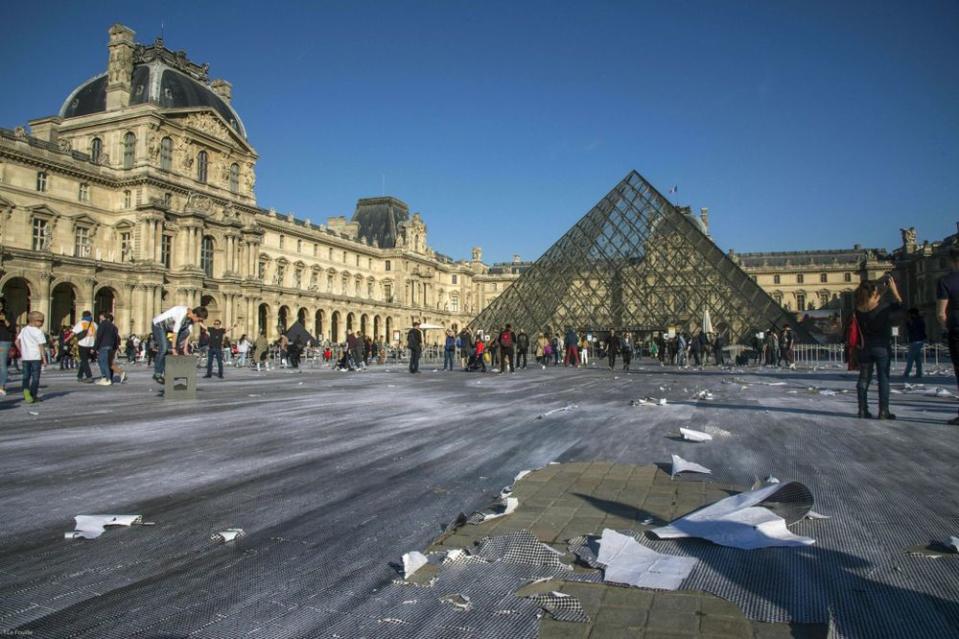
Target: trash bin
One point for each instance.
(180, 377)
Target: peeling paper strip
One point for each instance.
(695, 435)
(92, 526)
(680, 465)
(812, 514)
(954, 543)
(413, 561)
(520, 475)
(629, 562)
(228, 535)
(744, 521)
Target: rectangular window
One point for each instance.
(81, 242)
(166, 243)
(800, 302)
(455, 279)
(329, 252)
(329, 283)
(455, 304)
(127, 199)
(847, 277)
(41, 181)
(126, 246)
(316, 250)
(369, 290)
(388, 292)
(823, 278)
(84, 194)
(39, 233)
(299, 246)
(298, 278)
(388, 265)
(344, 257)
(167, 199)
(281, 241)
(357, 260)
(799, 280)
(775, 279)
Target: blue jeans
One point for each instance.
(163, 347)
(103, 360)
(448, 359)
(914, 355)
(31, 375)
(218, 354)
(875, 357)
(4, 352)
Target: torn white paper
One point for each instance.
(520, 475)
(557, 410)
(413, 561)
(629, 562)
(454, 555)
(954, 543)
(510, 503)
(740, 522)
(704, 394)
(680, 465)
(92, 526)
(812, 514)
(695, 435)
(460, 602)
(228, 535)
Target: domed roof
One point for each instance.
(153, 82)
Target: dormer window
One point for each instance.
(129, 149)
(96, 148)
(201, 166)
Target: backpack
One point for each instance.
(506, 339)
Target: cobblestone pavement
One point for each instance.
(333, 476)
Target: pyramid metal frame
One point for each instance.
(634, 263)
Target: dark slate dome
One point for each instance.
(156, 83)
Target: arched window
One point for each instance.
(96, 147)
(166, 154)
(234, 178)
(129, 150)
(201, 166)
(206, 255)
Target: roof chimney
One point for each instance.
(119, 66)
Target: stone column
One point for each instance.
(43, 303)
(89, 295)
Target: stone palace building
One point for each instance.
(139, 195)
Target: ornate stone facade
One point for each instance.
(134, 199)
(808, 280)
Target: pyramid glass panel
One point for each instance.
(634, 263)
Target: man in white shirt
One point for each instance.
(178, 321)
(86, 333)
(33, 355)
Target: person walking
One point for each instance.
(506, 341)
(261, 350)
(522, 348)
(215, 349)
(242, 351)
(626, 348)
(584, 351)
(449, 350)
(947, 311)
(105, 345)
(31, 342)
(86, 333)
(571, 348)
(414, 342)
(916, 334)
(875, 330)
(177, 320)
(6, 341)
(465, 343)
(612, 349)
(542, 344)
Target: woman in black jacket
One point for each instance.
(875, 329)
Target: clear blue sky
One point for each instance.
(799, 124)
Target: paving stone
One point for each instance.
(680, 600)
(551, 629)
(621, 596)
(725, 626)
(670, 620)
(621, 616)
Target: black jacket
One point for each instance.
(107, 336)
(414, 339)
(522, 342)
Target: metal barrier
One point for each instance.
(934, 356)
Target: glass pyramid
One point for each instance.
(635, 263)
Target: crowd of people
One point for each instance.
(96, 340)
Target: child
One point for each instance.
(31, 342)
